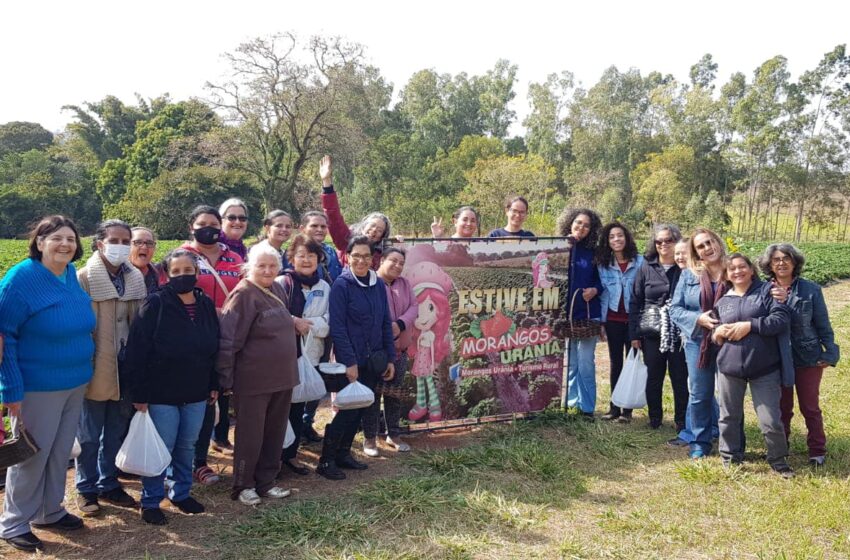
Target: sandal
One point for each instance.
(205, 475)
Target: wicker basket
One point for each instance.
(581, 328)
(18, 449)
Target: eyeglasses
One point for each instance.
(234, 217)
(780, 260)
(140, 243)
(704, 246)
(358, 257)
(668, 241)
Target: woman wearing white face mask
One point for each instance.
(117, 289)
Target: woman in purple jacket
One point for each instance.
(403, 311)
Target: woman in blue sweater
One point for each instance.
(581, 227)
(46, 321)
(362, 334)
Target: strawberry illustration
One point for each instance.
(497, 325)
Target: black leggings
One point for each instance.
(657, 364)
(618, 346)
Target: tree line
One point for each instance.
(758, 156)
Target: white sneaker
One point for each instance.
(249, 497)
(370, 448)
(400, 445)
(277, 492)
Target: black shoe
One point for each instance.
(87, 504)
(309, 434)
(625, 418)
(154, 516)
(118, 497)
(783, 469)
(588, 417)
(677, 442)
(817, 461)
(26, 542)
(300, 470)
(68, 522)
(330, 471)
(654, 424)
(611, 415)
(190, 506)
(349, 462)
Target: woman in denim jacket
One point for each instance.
(618, 261)
(700, 286)
(812, 341)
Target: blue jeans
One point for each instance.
(581, 374)
(101, 431)
(688, 435)
(178, 426)
(703, 411)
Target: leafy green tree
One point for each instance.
(20, 136)
(492, 180)
(108, 126)
(144, 158)
(661, 183)
(164, 204)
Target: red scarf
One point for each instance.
(707, 301)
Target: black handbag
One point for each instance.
(650, 321)
(18, 449)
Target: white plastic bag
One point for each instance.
(143, 451)
(630, 391)
(354, 395)
(76, 449)
(289, 439)
(311, 386)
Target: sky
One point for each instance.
(61, 53)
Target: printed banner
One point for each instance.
(488, 339)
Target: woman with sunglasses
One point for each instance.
(660, 340)
(235, 215)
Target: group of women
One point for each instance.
(708, 320)
(216, 320)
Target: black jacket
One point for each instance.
(767, 348)
(170, 358)
(652, 286)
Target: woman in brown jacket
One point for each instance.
(257, 362)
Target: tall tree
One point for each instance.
(288, 101)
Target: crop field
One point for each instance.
(825, 262)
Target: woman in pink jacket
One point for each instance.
(403, 311)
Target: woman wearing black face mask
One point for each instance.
(220, 267)
(171, 356)
(220, 270)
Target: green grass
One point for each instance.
(558, 487)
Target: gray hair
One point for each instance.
(231, 202)
(793, 252)
(360, 227)
(259, 250)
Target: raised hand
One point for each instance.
(326, 171)
(437, 227)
